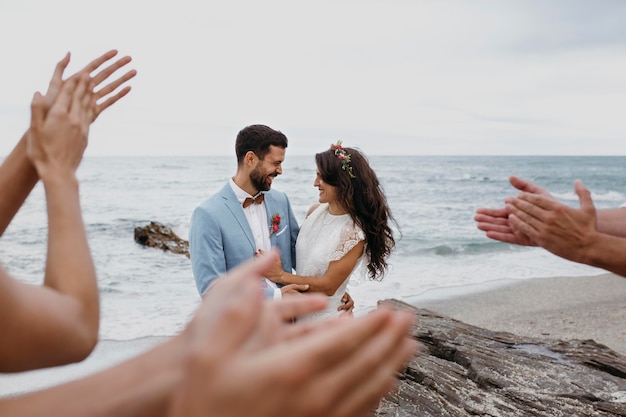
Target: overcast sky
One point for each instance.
(388, 76)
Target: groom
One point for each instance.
(246, 216)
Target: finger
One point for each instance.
(93, 65)
(492, 212)
(506, 237)
(235, 321)
(291, 307)
(366, 397)
(109, 88)
(300, 328)
(89, 104)
(78, 97)
(584, 197)
(332, 345)
(533, 204)
(111, 100)
(490, 227)
(523, 226)
(278, 316)
(322, 351)
(524, 185)
(228, 315)
(57, 79)
(106, 72)
(499, 221)
(64, 99)
(38, 111)
(361, 381)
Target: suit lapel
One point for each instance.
(233, 205)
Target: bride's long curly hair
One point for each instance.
(361, 194)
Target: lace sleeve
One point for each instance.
(350, 237)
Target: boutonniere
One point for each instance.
(275, 227)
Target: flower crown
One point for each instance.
(343, 156)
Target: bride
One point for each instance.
(345, 236)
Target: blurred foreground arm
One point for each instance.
(239, 357)
(56, 323)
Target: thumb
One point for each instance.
(38, 110)
(525, 185)
(519, 183)
(584, 197)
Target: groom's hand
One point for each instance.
(294, 289)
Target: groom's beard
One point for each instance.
(259, 180)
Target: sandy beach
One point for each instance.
(559, 308)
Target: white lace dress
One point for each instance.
(324, 238)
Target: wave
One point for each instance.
(609, 196)
(171, 166)
(464, 178)
(457, 248)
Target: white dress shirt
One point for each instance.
(256, 214)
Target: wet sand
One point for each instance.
(560, 308)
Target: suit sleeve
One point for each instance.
(294, 230)
(206, 249)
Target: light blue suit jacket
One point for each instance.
(220, 237)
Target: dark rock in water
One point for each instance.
(463, 370)
(157, 235)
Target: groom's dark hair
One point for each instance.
(258, 139)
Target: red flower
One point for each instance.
(275, 224)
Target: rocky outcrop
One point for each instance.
(157, 235)
(463, 370)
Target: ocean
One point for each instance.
(147, 292)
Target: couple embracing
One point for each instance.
(346, 233)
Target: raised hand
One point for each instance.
(495, 221)
(565, 231)
(58, 133)
(99, 105)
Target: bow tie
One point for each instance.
(256, 200)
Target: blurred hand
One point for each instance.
(495, 221)
(245, 360)
(565, 231)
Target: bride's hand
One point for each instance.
(275, 274)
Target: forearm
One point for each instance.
(606, 252)
(612, 221)
(141, 386)
(321, 284)
(69, 265)
(17, 179)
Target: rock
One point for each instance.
(157, 235)
(463, 370)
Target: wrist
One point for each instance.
(53, 176)
(596, 250)
(280, 278)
